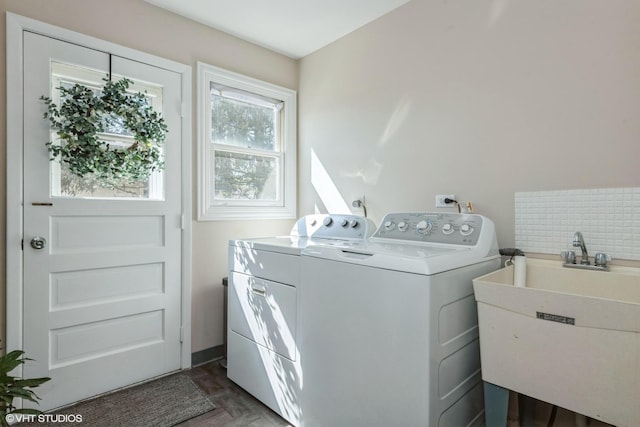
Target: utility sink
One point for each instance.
(570, 337)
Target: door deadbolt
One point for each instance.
(38, 242)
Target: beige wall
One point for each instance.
(474, 98)
(138, 25)
(477, 98)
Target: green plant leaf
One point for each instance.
(31, 382)
(12, 387)
(83, 114)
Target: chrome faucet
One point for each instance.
(600, 260)
(578, 242)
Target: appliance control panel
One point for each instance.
(427, 227)
(334, 226)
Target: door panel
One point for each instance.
(97, 286)
(102, 298)
(71, 234)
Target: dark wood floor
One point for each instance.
(234, 406)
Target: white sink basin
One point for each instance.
(570, 337)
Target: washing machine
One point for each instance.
(263, 355)
(388, 327)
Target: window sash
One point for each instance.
(279, 184)
(277, 127)
(245, 96)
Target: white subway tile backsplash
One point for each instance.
(609, 219)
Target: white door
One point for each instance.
(102, 299)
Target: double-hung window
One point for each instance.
(247, 147)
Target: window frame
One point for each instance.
(211, 209)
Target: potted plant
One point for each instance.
(13, 387)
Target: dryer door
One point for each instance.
(264, 312)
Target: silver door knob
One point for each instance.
(38, 242)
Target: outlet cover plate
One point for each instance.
(440, 200)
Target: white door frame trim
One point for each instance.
(16, 25)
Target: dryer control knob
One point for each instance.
(447, 228)
(344, 222)
(354, 223)
(424, 227)
(402, 226)
(327, 221)
(389, 225)
(466, 229)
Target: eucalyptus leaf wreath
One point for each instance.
(84, 114)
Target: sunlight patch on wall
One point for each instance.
(397, 119)
(498, 8)
(326, 188)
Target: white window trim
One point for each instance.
(210, 210)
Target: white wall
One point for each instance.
(476, 98)
(138, 25)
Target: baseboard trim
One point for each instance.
(207, 355)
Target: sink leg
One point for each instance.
(526, 410)
(581, 420)
(496, 405)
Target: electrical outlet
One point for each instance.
(440, 200)
(359, 202)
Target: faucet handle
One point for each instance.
(569, 257)
(601, 259)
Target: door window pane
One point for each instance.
(66, 184)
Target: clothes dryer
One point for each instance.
(388, 327)
(263, 355)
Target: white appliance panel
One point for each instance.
(275, 380)
(381, 347)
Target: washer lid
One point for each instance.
(292, 245)
(418, 259)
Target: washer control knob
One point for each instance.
(313, 222)
(344, 222)
(327, 221)
(466, 229)
(354, 223)
(389, 225)
(447, 228)
(424, 227)
(402, 226)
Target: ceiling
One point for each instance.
(294, 28)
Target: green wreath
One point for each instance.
(84, 113)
